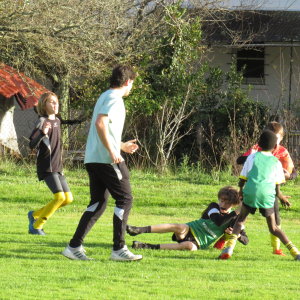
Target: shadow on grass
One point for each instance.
(39, 249)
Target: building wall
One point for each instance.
(275, 91)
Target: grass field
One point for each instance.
(33, 267)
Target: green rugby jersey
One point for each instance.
(205, 230)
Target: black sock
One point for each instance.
(146, 229)
(153, 246)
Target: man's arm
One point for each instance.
(102, 130)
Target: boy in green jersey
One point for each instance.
(215, 220)
(263, 174)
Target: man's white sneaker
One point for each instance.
(75, 253)
(124, 255)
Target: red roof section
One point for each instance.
(25, 89)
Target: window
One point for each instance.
(253, 60)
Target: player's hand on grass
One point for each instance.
(129, 147)
(285, 202)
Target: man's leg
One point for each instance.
(120, 190)
(282, 236)
(97, 206)
(99, 199)
(241, 220)
(119, 187)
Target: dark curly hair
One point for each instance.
(230, 194)
(120, 75)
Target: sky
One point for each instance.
(269, 4)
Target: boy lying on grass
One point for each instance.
(216, 219)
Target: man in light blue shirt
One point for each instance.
(106, 168)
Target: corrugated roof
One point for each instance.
(25, 89)
(259, 26)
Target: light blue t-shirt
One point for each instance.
(110, 103)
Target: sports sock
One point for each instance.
(293, 250)
(275, 241)
(68, 200)
(232, 240)
(152, 246)
(146, 229)
(226, 236)
(49, 209)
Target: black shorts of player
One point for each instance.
(266, 212)
(55, 181)
(188, 238)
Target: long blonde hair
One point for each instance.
(41, 107)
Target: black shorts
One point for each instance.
(266, 212)
(56, 182)
(188, 238)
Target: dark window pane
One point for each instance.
(253, 69)
(251, 53)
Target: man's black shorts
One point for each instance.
(266, 212)
(188, 238)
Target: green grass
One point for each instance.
(32, 266)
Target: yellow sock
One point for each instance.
(226, 236)
(275, 241)
(232, 241)
(38, 212)
(293, 250)
(49, 209)
(68, 200)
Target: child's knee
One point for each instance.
(188, 246)
(59, 198)
(273, 228)
(68, 198)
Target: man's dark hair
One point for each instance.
(120, 75)
(267, 140)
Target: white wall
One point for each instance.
(275, 91)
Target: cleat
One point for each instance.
(31, 218)
(220, 243)
(36, 231)
(32, 230)
(75, 253)
(297, 257)
(226, 253)
(140, 245)
(132, 230)
(124, 255)
(279, 252)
